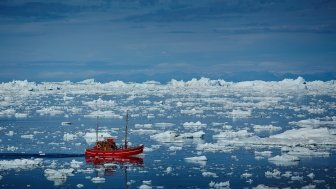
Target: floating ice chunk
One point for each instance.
(311, 175)
(309, 186)
(316, 110)
(192, 111)
(201, 160)
(10, 133)
(68, 171)
(164, 124)
(264, 153)
(79, 185)
(284, 160)
(213, 147)
(20, 164)
(233, 134)
(197, 124)
(209, 174)
(175, 148)
(297, 178)
(21, 115)
(213, 184)
(276, 174)
(98, 179)
(105, 114)
(169, 170)
(241, 113)
(52, 111)
(69, 137)
(75, 164)
(167, 136)
(7, 113)
(143, 126)
(303, 136)
(314, 123)
(57, 177)
(146, 184)
(30, 136)
(91, 137)
(99, 103)
(12, 148)
(143, 131)
(152, 148)
(262, 186)
(270, 128)
(198, 134)
(246, 175)
(302, 151)
(287, 174)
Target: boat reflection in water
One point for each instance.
(107, 166)
(116, 160)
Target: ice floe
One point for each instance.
(270, 128)
(104, 114)
(284, 160)
(233, 134)
(20, 164)
(218, 185)
(196, 125)
(98, 179)
(201, 160)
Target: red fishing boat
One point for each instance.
(108, 147)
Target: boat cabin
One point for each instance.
(107, 144)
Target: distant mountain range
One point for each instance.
(235, 77)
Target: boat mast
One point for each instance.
(126, 129)
(97, 130)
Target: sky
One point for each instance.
(139, 40)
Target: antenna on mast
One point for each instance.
(126, 117)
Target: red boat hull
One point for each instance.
(131, 151)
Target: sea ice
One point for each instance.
(69, 137)
(233, 134)
(241, 113)
(198, 134)
(104, 114)
(284, 160)
(209, 174)
(216, 185)
(52, 111)
(263, 153)
(98, 179)
(167, 137)
(196, 125)
(276, 174)
(20, 164)
(197, 160)
(270, 128)
(30, 136)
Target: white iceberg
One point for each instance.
(284, 160)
